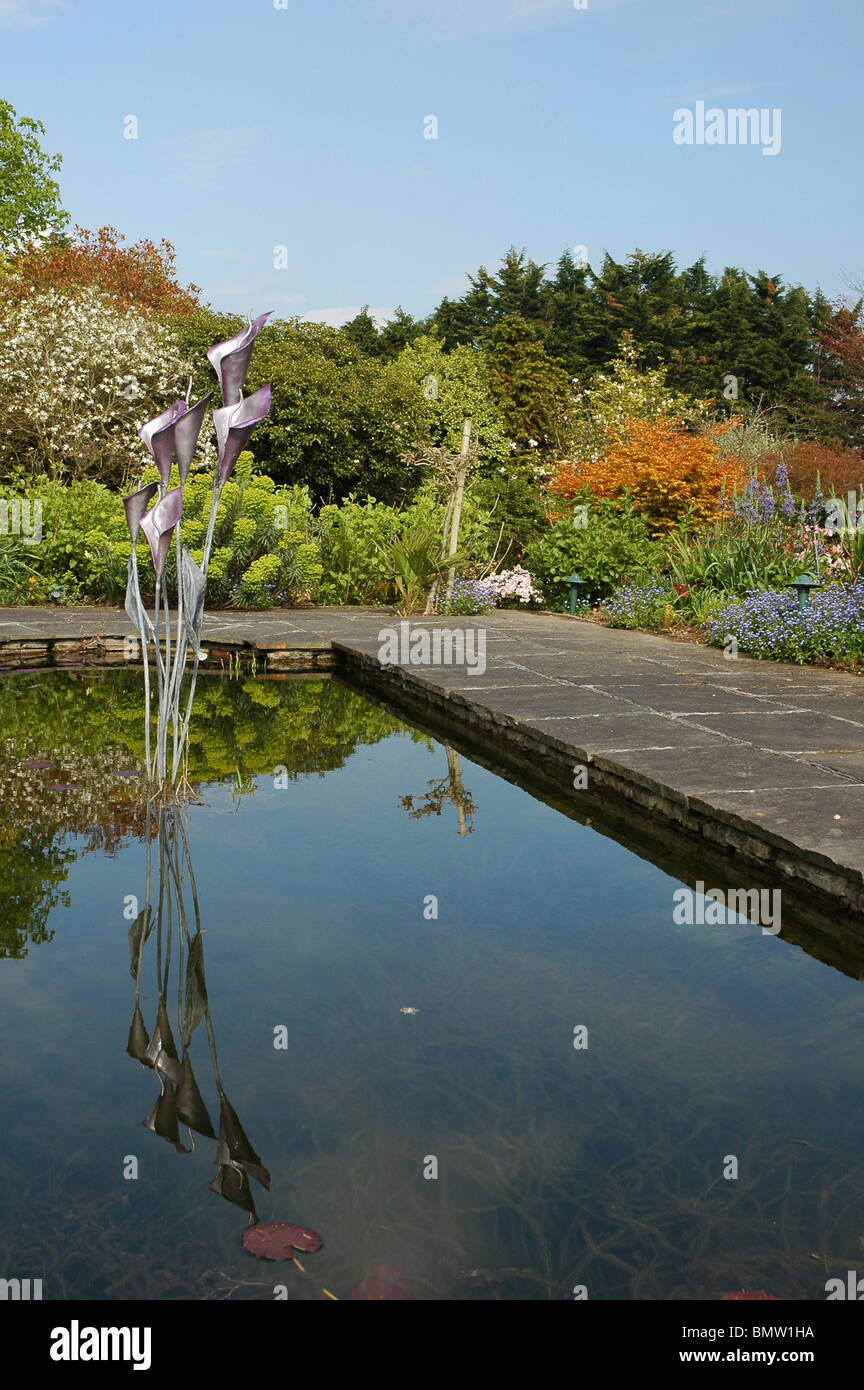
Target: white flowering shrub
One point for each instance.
(627, 392)
(510, 587)
(78, 375)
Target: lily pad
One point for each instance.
(277, 1240)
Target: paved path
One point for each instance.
(764, 758)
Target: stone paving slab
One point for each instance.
(762, 758)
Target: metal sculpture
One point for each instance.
(174, 435)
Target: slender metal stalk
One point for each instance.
(144, 640)
(205, 562)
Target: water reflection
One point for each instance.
(442, 791)
(182, 941)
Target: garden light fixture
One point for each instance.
(802, 586)
(577, 584)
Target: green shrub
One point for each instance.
(612, 546)
(73, 522)
(265, 546)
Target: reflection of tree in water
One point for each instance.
(31, 873)
(444, 791)
(71, 760)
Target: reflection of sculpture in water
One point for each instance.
(446, 789)
(181, 943)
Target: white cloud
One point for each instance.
(28, 14)
(336, 317)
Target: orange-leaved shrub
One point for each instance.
(668, 473)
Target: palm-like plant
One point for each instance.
(413, 563)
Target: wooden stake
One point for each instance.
(457, 502)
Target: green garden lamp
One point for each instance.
(577, 584)
(802, 586)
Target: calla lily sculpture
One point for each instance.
(174, 435)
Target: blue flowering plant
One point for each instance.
(644, 604)
(770, 625)
(467, 598)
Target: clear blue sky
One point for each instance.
(303, 127)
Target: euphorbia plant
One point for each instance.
(174, 434)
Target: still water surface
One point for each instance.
(317, 892)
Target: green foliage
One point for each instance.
(265, 549)
(733, 558)
(614, 545)
(74, 523)
(354, 539)
(413, 562)
(702, 327)
(533, 392)
(514, 504)
(341, 420)
(29, 196)
(457, 385)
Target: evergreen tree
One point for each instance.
(532, 390)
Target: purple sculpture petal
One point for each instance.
(158, 435)
(136, 505)
(186, 431)
(158, 524)
(194, 589)
(234, 425)
(230, 359)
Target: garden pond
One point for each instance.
(459, 1029)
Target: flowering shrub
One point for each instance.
(605, 410)
(638, 605)
(265, 553)
(77, 375)
(467, 597)
(514, 586)
(770, 625)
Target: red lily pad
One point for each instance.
(744, 1295)
(383, 1282)
(277, 1240)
